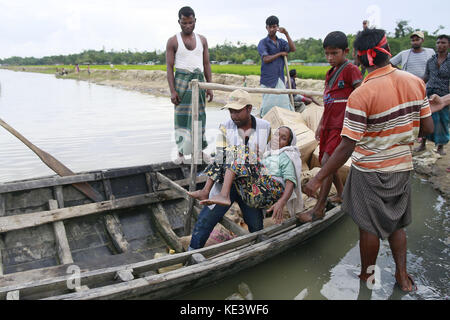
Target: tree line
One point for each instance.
(309, 50)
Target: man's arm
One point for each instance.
(337, 160)
(269, 59)
(171, 48)
(288, 38)
(426, 76)
(395, 61)
(438, 103)
(207, 67)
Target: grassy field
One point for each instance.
(304, 72)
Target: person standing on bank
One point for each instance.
(437, 77)
(414, 60)
(272, 51)
(188, 53)
(378, 133)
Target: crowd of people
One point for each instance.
(373, 119)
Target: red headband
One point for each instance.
(371, 53)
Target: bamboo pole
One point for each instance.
(194, 152)
(223, 87)
(291, 96)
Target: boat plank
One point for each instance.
(27, 220)
(2, 205)
(47, 182)
(226, 222)
(112, 224)
(62, 244)
(162, 224)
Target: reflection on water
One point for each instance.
(89, 127)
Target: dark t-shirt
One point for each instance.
(271, 72)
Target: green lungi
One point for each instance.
(183, 111)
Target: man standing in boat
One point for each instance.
(248, 135)
(188, 53)
(378, 133)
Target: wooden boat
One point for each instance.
(57, 243)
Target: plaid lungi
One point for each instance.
(183, 111)
(379, 203)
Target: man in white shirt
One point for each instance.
(414, 60)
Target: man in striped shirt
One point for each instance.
(383, 117)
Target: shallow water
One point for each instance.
(88, 127)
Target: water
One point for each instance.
(89, 127)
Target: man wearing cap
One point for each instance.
(247, 134)
(414, 60)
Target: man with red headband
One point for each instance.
(382, 118)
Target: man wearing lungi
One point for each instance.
(188, 53)
(383, 117)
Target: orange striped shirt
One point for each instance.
(383, 117)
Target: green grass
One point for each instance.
(303, 72)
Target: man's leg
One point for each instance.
(339, 189)
(422, 145)
(253, 217)
(319, 209)
(205, 224)
(369, 245)
(397, 242)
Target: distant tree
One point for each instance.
(402, 28)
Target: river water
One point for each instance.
(88, 127)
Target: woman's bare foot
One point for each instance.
(336, 199)
(199, 194)
(218, 199)
(311, 215)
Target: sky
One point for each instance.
(52, 27)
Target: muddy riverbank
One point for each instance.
(428, 164)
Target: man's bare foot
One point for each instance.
(199, 194)
(420, 148)
(336, 199)
(218, 199)
(406, 283)
(311, 215)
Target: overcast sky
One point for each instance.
(52, 27)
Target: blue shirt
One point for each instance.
(270, 72)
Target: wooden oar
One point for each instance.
(55, 164)
(289, 81)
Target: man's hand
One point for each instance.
(310, 189)
(437, 103)
(318, 131)
(210, 95)
(283, 54)
(282, 30)
(315, 101)
(277, 211)
(175, 98)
